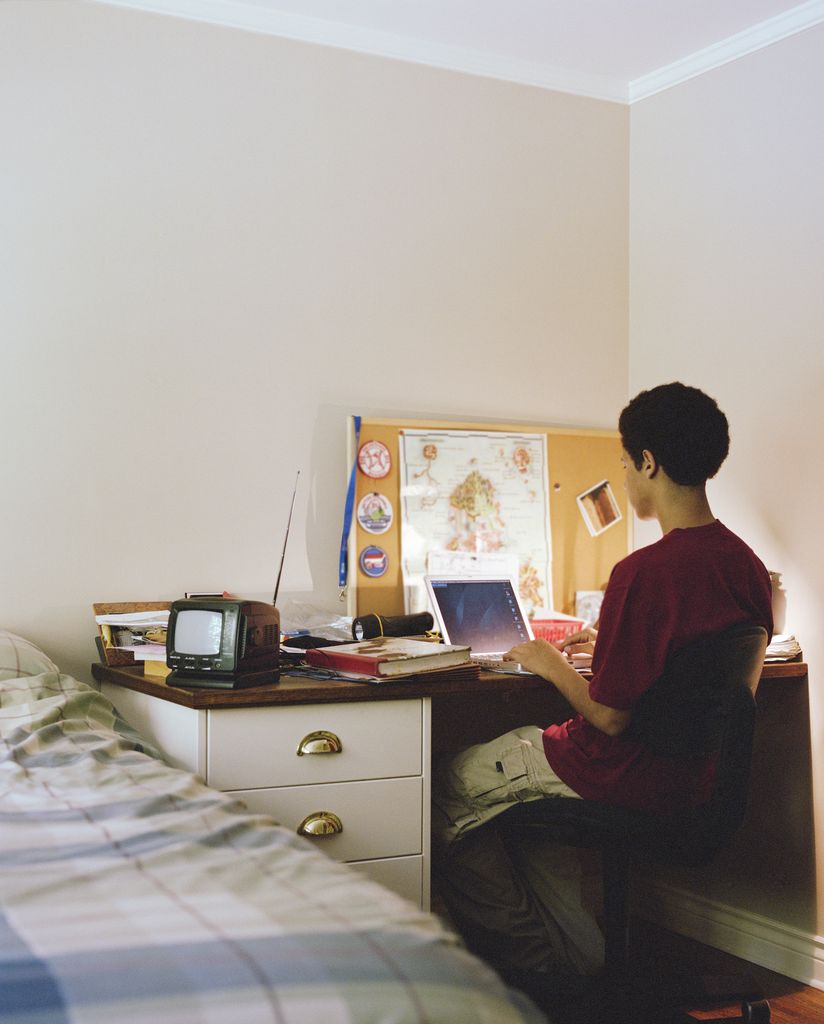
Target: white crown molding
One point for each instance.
(236, 14)
(254, 18)
(755, 38)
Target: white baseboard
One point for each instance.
(778, 947)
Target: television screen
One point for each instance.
(198, 631)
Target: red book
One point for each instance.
(387, 656)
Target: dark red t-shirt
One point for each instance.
(688, 584)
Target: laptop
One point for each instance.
(483, 612)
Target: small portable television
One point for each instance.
(223, 643)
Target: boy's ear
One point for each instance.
(649, 464)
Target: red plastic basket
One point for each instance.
(554, 630)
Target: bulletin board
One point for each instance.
(578, 461)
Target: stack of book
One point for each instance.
(783, 647)
(390, 658)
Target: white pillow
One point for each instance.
(20, 657)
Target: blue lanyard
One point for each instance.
(343, 565)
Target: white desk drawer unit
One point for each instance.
(379, 818)
(248, 748)
(352, 777)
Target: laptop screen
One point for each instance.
(485, 613)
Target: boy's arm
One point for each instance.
(546, 661)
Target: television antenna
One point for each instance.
(286, 539)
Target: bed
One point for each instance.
(132, 893)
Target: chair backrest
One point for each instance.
(685, 711)
(704, 705)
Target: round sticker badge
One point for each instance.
(375, 513)
(374, 459)
(373, 561)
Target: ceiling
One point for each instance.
(619, 50)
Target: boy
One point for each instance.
(524, 908)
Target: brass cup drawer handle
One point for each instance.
(319, 824)
(320, 742)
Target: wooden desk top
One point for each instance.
(304, 690)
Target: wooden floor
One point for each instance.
(790, 1001)
(663, 961)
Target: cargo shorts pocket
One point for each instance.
(502, 780)
(515, 766)
(478, 784)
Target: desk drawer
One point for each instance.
(381, 818)
(403, 875)
(250, 748)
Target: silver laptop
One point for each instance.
(483, 612)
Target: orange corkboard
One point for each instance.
(583, 553)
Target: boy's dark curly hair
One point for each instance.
(682, 427)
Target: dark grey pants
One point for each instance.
(528, 907)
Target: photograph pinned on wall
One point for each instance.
(599, 508)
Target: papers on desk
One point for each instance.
(782, 647)
(140, 620)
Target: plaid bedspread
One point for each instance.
(132, 893)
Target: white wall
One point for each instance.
(217, 245)
(727, 251)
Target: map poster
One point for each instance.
(480, 496)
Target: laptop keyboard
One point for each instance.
(495, 661)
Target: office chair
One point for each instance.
(703, 703)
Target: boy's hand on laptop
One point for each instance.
(582, 642)
(537, 656)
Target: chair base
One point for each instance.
(573, 999)
(752, 1012)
